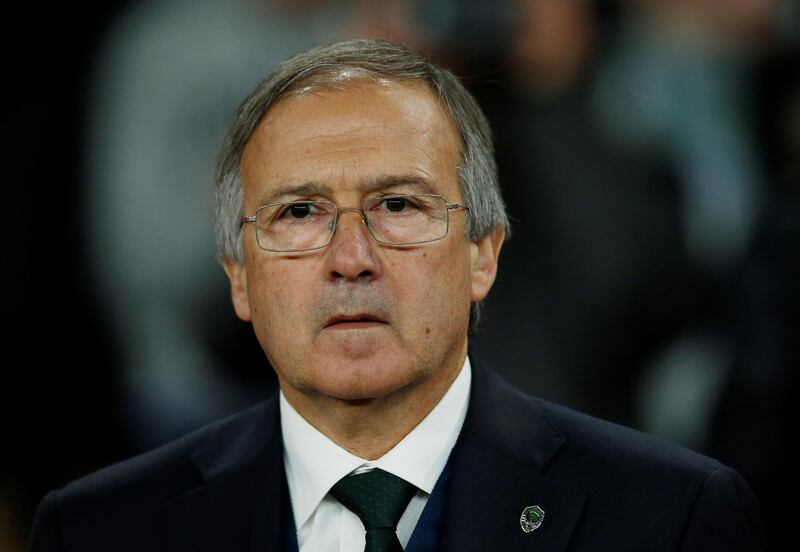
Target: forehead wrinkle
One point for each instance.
(361, 127)
(339, 132)
(365, 186)
(307, 155)
(334, 135)
(423, 123)
(289, 107)
(424, 152)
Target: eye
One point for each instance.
(300, 210)
(398, 204)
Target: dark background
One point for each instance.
(58, 380)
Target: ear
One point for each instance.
(484, 255)
(238, 276)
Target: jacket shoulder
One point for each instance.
(121, 503)
(610, 443)
(168, 468)
(691, 501)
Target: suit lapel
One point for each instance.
(238, 508)
(497, 472)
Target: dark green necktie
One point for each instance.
(379, 499)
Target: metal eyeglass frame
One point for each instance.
(364, 218)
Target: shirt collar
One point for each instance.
(314, 463)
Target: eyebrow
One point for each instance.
(419, 183)
(388, 181)
(305, 189)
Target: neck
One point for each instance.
(370, 428)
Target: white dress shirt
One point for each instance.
(314, 464)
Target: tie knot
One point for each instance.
(377, 497)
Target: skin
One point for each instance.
(363, 384)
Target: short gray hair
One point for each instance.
(324, 66)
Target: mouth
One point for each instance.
(361, 321)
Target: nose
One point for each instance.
(352, 253)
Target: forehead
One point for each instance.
(349, 137)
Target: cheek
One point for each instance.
(437, 288)
(277, 297)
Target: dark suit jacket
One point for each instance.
(601, 486)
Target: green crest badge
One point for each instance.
(531, 518)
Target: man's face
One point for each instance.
(358, 319)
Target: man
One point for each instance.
(360, 223)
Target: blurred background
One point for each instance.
(649, 154)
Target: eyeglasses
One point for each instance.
(305, 225)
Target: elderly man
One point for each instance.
(360, 223)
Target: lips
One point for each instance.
(353, 321)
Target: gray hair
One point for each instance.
(324, 66)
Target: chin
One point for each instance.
(363, 379)
(359, 346)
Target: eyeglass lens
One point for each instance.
(307, 224)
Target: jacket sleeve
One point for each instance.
(725, 516)
(45, 536)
